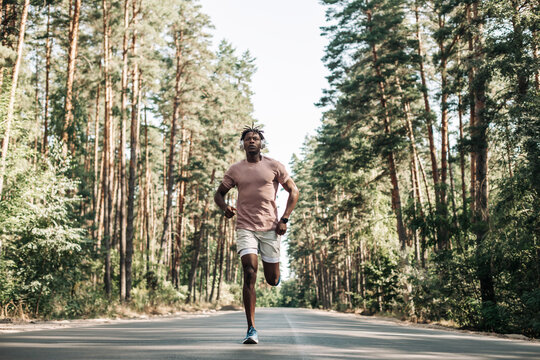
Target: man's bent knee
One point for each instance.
(274, 281)
(272, 273)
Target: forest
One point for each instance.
(419, 192)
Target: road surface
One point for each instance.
(284, 333)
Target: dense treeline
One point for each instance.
(420, 192)
(118, 121)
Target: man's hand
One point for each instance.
(291, 188)
(230, 211)
(219, 198)
(281, 228)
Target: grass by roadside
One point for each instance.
(441, 325)
(8, 325)
(89, 305)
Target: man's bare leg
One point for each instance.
(271, 273)
(250, 265)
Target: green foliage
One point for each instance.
(268, 296)
(382, 280)
(342, 237)
(5, 91)
(343, 233)
(530, 317)
(164, 294)
(84, 301)
(448, 289)
(293, 294)
(42, 251)
(515, 250)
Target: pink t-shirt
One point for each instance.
(257, 188)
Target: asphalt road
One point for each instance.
(283, 334)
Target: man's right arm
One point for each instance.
(219, 198)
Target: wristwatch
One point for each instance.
(284, 220)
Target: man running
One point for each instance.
(258, 228)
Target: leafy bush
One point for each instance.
(268, 296)
(293, 294)
(42, 254)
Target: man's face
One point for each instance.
(252, 143)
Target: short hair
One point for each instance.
(248, 129)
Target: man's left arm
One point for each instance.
(291, 188)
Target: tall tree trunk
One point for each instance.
(176, 243)
(48, 48)
(453, 199)
(2, 40)
(327, 282)
(115, 230)
(442, 209)
(134, 156)
(134, 143)
(481, 211)
(416, 205)
(197, 242)
(471, 73)
(185, 155)
(96, 189)
(424, 179)
(313, 259)
(100, 209)
(146, 194)
(348, 263)
(442, 187)
(178, 37)
(535, 57)
(396, 200)
(140, 217)
(13, 93)
(72, 55)
(112, 166)
(427, 108)
(414, 169)
(462, 156)
(123, 124)
(361, 274)
(206, 266)
(216, 256)
(229, 229)
(311, 277)
(37, 113)
(221, 255)
(107, 151)
(153, 216)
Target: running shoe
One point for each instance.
(251, 336)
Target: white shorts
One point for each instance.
(265, 242)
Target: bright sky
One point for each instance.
(284, 37)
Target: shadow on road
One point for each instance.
(284, 334)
